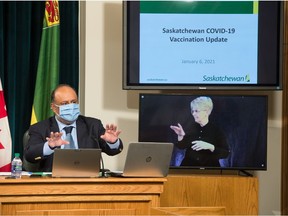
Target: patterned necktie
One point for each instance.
(69, 138)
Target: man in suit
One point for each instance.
(51, 133)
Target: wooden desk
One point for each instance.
(82, 196)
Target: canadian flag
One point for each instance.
(5, 136)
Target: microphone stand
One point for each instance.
(102, 169)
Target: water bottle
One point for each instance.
(16, 166)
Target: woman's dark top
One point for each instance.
(211, 134)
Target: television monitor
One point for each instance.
(232, 136)
(202, 45)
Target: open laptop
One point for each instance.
(147, 159)
(76, 163)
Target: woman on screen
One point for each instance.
(205, 144)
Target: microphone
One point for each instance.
(102, 169)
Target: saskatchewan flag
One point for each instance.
(48, 64)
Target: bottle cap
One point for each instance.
(17, 154)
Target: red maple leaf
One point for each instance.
(3, 112)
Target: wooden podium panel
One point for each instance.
(188, 211)
(79, 196)
(237, 194)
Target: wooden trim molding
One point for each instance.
(80, 196)
(284, 175)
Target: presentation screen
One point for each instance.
(202, 44)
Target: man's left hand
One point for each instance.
(111, 133)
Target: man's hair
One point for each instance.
(59, 86)
(203, 103)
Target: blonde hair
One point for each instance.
(202, 103)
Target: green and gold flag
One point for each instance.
(48, 63)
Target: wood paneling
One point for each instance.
(80, 196)
(188, 211)
(239, 195)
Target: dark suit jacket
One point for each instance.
(89, 131)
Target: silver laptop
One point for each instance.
(76, 163)
(147, 159)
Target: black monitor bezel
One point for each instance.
(127, 58)
(250, 168)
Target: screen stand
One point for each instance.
(241, 172)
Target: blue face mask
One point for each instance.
(69, 112)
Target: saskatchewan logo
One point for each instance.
(52, 13)
(226, 78)
(247, 78)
